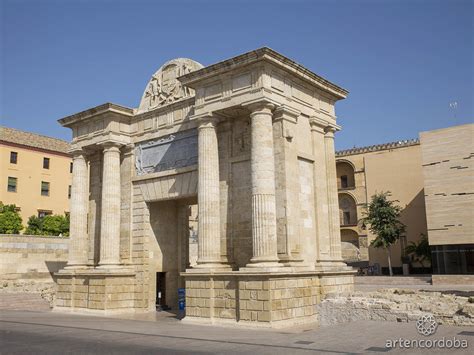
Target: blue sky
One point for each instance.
(402, 61)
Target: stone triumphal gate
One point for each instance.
(250, 141)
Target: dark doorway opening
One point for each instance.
(161, 291)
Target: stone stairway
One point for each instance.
(23, 302)
(393, 280)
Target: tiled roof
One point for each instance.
(377, 147)
(34, 140)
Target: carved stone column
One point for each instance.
(209, 250)
(321, 191)
(333, 204)
(262, 164)
(110, 214)
(78, 245)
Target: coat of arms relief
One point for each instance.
(164, 86)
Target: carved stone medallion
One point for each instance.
(164, 86)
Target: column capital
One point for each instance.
(330, 130)
(317, 124)
(128, 149)
(286, 113)
(260, 106)
(207, 120)
(110, 146)
(77, 152)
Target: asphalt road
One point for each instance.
(54, 333)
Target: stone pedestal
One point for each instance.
(95, 291)
(257, 299)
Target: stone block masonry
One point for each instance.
(31, 257)
(100, 291)
(264, 300)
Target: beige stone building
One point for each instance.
(250, 141)
(362, 172)
(448, 170)
(35, 173)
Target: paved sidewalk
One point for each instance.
(54, 333)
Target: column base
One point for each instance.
(331, 265)
(109, 266)
(76, 267)
(262, 265)
(212, 264)
(209, 269)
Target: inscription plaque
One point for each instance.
(166, 153)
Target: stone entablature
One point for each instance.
(254, 148)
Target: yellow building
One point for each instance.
(35, 173)
(363, 172)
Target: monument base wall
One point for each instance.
(274, 299)
(98, 291)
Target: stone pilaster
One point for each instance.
(95, 194)
(321, 191)
(287, 185)
(110, 214)
(262, 164)
(78, 245)
(209, 249)
(333, 204)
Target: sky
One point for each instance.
(403, 62)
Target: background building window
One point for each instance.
(70, 167)
(347, 210)
(13, 157)
(346, 218)
(12, 181)
(45, 163)
(345, 175)
(44, 213)
(44, 188)
(69, 191)
(344, 183)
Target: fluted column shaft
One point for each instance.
(333, 204)
(264, 236)
(209, 250)
(321, 191)
(110, 214)
(78, 212)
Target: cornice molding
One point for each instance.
(95, 111)
(268, 55)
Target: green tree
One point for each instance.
(420, 252)
(56, 225)
(48, 225)
(383, 220)
(34, 226)
(10, 219)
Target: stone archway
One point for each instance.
(347, 210)
(350, 245)
(345, 175)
